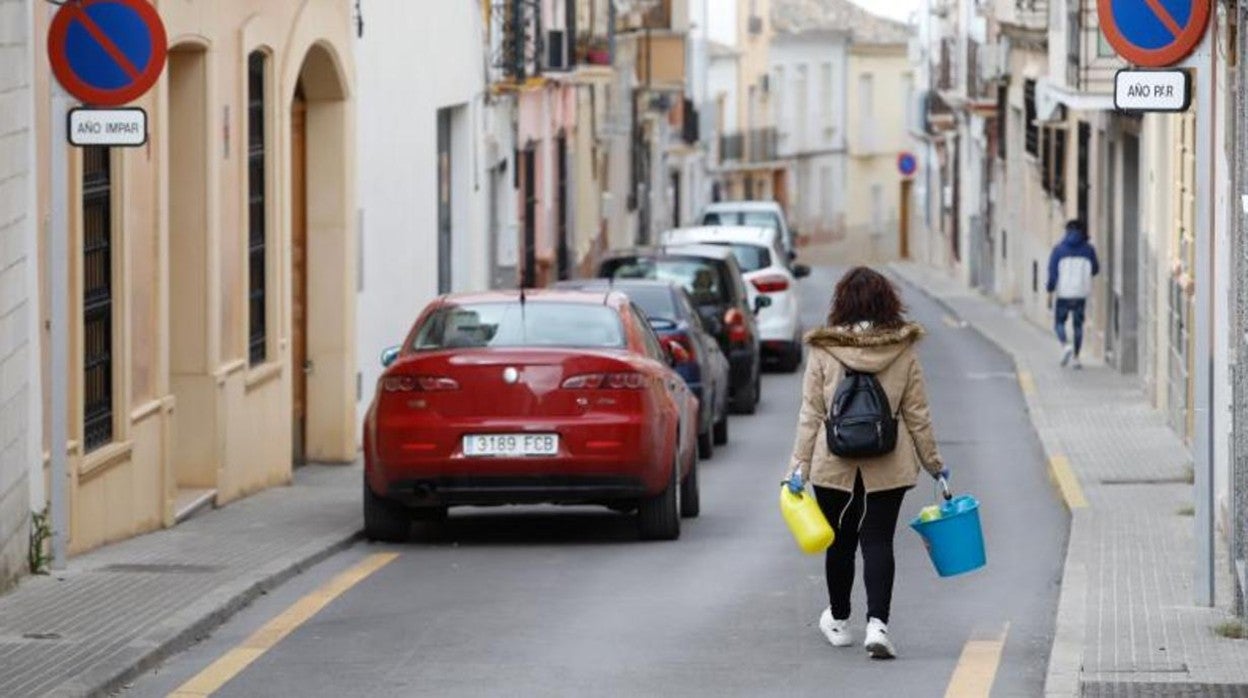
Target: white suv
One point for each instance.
(753, 214)
(768, 272)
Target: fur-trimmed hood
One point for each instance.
(866, 348)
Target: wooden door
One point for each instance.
(299, 362)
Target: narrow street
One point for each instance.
(543, 601)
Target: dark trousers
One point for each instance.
(1075, 309)
(869, 520)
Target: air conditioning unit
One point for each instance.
(558, 55)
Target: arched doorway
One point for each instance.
(192, 352)
(322, 273)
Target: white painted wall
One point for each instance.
(19, 386)
(414, 59)
(722, 80)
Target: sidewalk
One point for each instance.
(1126, 622)
(117, 611)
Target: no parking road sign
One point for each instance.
(1154, 33)
(907, 164)
(107, 52)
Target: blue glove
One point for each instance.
(795, 482)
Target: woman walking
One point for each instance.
(861, 496)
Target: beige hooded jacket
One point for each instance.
(891, 356)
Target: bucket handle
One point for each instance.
(944, 487)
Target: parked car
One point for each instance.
(531, 397)
(671, 313)
(768, 271)
(767, 214)
(713, 279)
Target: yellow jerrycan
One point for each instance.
(806, 521)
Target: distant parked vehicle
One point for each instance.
(768, 272)
(713, 279)
(753, 214)
(673, 316)
(549, 396)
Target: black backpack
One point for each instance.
(860, 423)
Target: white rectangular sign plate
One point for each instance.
(108, 127)
(1152, 90)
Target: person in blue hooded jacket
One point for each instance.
(1071, 268)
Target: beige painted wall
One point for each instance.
(188, 407)
(876, 134)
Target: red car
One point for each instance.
(543, 397)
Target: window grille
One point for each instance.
(97, 290)
(257, 208)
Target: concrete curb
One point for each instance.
(197, 620)
(1062, 679)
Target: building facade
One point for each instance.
(213, 271)
(429, 174)
(1021, 119)
(20, 485)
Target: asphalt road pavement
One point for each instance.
(567, 602)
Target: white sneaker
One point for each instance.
(878, 645)
(837, 631)
(1068, 352)
(1077, 365)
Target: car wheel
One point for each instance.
(792, 359)
(746, 399)
(720, 431)
(706, 445)
(384, 520)
(658, 517)
(431, 514)
(690, 497)
(758, 386)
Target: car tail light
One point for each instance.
(606, 381)
(685, 341)
(738, 333)
(772, 283)
(414, 384)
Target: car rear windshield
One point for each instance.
(752, 219)
(536, 324)
(701, 277)
(750, 257)
(654, 301)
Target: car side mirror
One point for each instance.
(801, 271)
(761, 302)
(676, 353)
(389, 356)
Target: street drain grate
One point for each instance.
(1126, 689)
(157, 568)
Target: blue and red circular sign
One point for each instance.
(107, 52)
(907, 164)
(1154, 33)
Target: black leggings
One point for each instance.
(874, 528)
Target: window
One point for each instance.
(257, 212)
(1032, 142)
(802, 100)
(866, 111)
(531, 324)
(825, 100)
(1003, 110)
(97, 297)
(778, 93)
(1053, 162)
(653, 347)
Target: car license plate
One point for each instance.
(510, 445)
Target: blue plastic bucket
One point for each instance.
(955, 541)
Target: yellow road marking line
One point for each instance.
(1027, 383)
(232, 663)
(977, 667)
(1067, 483)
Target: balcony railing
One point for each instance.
(516, 40)
(757, 145)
